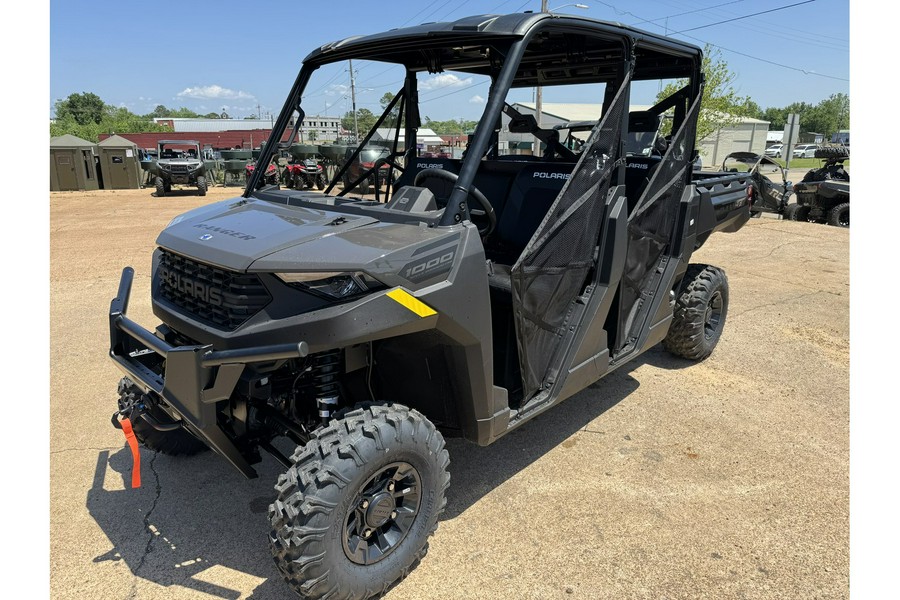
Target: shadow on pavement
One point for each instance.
(194, 513)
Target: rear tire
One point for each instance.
(201, 185)
(364, 186)
(160, 187)
(340, 527)
(839, 216)
(700, 311)
(796, 212)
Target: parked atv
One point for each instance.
(305, 174)
(823, 196)
(359, 172)
(179, 162)
(270, 177)
(770, 189)
(485, 291)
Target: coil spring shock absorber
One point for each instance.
(325, 373)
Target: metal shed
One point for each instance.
(73, 164)
(120, 164)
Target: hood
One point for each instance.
(234, 233)
(179, 161)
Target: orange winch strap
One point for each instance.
(135, 454)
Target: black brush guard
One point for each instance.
(193, 379)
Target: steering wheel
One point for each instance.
(388, 160)
(487, 212)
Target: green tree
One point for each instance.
(364, 117)
(161, 112)
(751, 109)
(828, 116)
(110, 119)
(82, 108)
(450, 127)
(385, 100)
(721, 106)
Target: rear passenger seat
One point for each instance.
(531, 195)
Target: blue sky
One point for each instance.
(244, 56)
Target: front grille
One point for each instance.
(225, 299)
(178, 168)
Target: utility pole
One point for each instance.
(539, 94)
(353, 99)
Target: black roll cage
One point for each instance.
(502, 81)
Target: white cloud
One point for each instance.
(337, 89)
(444, 81)
(213, 92)
(476, 99)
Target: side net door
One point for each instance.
(553, 270)
(651, 226)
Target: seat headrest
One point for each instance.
(642, 120)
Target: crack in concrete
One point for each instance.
(779, 246)
(153, 535)
(83, 449)
(774, 227)
(800, 297)
(799, 285)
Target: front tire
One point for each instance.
(160, 187)
(201, 185)
(839, 216)
(700, 310)
(353, 515)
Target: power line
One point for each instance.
(791, 30)
(771, 62)
(744, 17)
(690, 12)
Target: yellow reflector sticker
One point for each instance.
(411, 302)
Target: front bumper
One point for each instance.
(189, 379)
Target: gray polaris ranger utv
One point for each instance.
(179, 162)
(472, 295)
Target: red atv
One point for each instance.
(305, 174)
(271, 177)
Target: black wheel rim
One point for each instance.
(713, 315)
(382, 513)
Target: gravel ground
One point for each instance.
(724, 479)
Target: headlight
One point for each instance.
(335, 285)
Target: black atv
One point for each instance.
(770, 189)
(483, 292)
(179, 162)
(823, 196)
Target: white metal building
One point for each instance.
(326, 128)
(749, 135)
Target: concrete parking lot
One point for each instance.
(667, 479)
